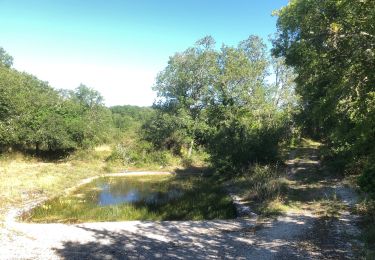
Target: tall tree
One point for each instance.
(183, 86)
(331, 45)
(219, 99)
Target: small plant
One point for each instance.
(264, 183)
(122, 152)
(187, 162)
(262, 186)
(329, 207)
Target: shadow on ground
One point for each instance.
(310, 181)
(333, 234)
(192, 240)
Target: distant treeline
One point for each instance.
(36, 117)
(127, 117)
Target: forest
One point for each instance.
(232, 109)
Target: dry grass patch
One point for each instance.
(24, 178)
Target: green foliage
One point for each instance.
(129, 118)
(34, 116)
(5, 59)
(220, 99)
(166, 131)
(138, 153)
(239, 144)
(367, 180)
(330, 44)
(142, 135)
(87, 97)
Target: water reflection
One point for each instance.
(125, 191)
(138, 198)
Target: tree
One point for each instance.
(88, 97)
(218, 99)
(5, 59)
(183, 87)
(34, 116)
(10, 101)
(283, 87)
(94, 124)
(331, 44)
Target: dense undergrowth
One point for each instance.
(366, 209)
(263, 188)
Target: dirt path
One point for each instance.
(305, 232)
(325, 206)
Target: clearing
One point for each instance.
(316, 223)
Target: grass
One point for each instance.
(262, 186)
(202, 198)
(367, 210)
(26, 178)
(270, 192)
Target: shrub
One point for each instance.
(139, 153)
(263, 183)
(237, 145)
(367, 180)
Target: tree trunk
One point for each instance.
(37, 149)
(190, 148)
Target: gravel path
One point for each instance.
(232, 239)
(296, 235)
(325, 237)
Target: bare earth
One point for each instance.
(295, 235)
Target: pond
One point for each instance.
(157, 197)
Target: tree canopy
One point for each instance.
(5, 59)
(35, 116)
(331, 46)
(220, 99)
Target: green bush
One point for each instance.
(237, 145)
(263, 183)
(166, 131)
(36, 117)
(367, 180)
(139, 153)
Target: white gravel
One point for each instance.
(223, 239)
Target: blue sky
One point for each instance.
(118, 47)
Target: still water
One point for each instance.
(125, 191)
(138, 198)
